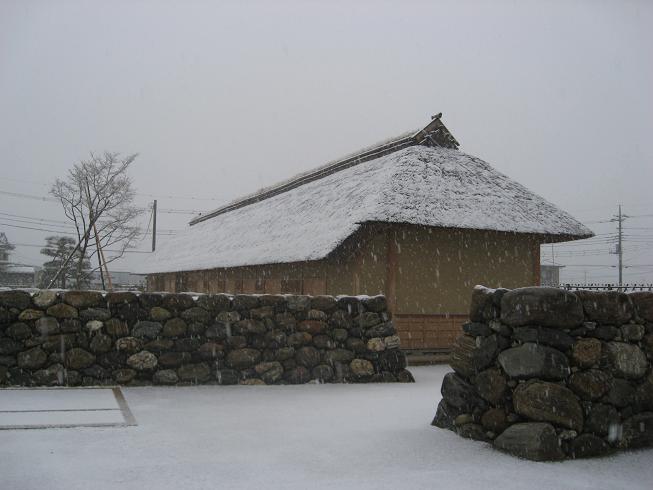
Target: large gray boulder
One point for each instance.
(45, 298)
(174, 359)
(147, 330)
(120, 298)
(534, 361)
(175, 327)
(196, 314)
(101, 343)
(482, 308)
(9, 346)
(588, 446)
(243, 358)
(196, 373)
(51, 376)
(548, 402)
(643, 302)
(158, 314)
(638, 431)
(270, 372)
(142, 361)
(548, 336)
(361, 368)
(128, 344)
(308, 357)
(297, 376)
(176, 302)
(606, 307)
(15, 299)
(84, 299)
(62, 310)
(621, 393)
(214, 302)
(445, 415)
(77, 358)
(591, 384)
(626, 360)
(601, 418)
(47, 325)
(460, 394)
(491, 385)
(165, 377)
(548, 307)
(19, 331)
(470, 354)
(534, 440)
(586, 352)
(32, 358)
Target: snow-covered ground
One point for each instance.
(310, 436)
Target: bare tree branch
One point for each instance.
(99, 191)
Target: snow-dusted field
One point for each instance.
(311, 436)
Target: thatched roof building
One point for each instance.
(326, 224)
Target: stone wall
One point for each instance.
(91, 338)
(546, 374)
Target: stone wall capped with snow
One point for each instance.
(50, 338)
(547, 374)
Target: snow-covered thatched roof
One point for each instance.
(399, 181)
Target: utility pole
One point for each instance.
(154, 226)
(619, 218)
(621, 249)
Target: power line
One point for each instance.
(37, 222)
(50, 199)
(62, 232)
(107, 250)
(59, 232)
(28, 196)
(160, 196)
(44, 221)
(34, 218)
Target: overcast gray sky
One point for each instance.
(222, 98)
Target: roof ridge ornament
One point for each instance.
(436, 133)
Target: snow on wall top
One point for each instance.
(419, 185)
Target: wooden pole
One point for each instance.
(391, 271)
(154, 226)
(99, 257)
(106, 269)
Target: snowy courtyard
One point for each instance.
(311, 436)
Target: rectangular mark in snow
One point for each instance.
(42, 408)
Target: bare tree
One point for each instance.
(97, 196)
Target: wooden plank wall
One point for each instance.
(429, 331)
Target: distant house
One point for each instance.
(550, 274)
(120, 280)
(5, 250)
(413, 218)
(11, 274)
(18, 276)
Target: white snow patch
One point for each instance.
(373, 436)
